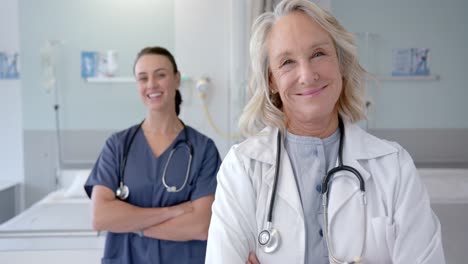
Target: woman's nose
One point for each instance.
(152, 82)
(307, 74)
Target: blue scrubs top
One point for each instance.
(143, 176)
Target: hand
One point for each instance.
(252, 259)
(184, 208)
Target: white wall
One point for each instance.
(211, 38)
(87, 25)
(89, 112)
(202, 48)
(437, 25)
(11, 122)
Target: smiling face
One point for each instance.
(304, 70)
(157, 82)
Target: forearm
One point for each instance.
(117, 216)
(182, 228)
(189, 226)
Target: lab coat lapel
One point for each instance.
(346, 216)
(357, 145)
(343, 186)
(263, 148)
(286, 186)
(345, 210)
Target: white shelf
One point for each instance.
(10, 80)
(410, 78)
(110, 80)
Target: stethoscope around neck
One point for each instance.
(270, 239)
(122, 192)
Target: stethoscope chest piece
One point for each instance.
(122, 192)
(269, 239)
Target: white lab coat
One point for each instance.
(400, 225)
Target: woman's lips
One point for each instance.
(154, 95)
(312, 91)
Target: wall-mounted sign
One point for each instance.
(9, 65)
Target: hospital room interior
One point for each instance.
(55, 113)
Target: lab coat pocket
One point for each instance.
(384, 235)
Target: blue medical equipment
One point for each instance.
(123, 191)
(270, 239)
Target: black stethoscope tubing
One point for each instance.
(275, 182)
(269, 237)
(126, 151)
(122, 186)
(340, 166)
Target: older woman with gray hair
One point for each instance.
(308, 185)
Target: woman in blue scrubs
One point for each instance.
(155, 224)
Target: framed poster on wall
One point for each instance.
(9, 65)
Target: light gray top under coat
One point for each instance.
(311, 158)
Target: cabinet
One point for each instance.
(9, 193)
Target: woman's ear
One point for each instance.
(178, 78)
(272, 83)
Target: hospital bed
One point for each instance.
(56, 229)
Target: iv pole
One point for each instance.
(48, 61)
(50, 83)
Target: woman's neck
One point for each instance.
(162, 123)
(320, 128)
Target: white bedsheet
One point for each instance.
(53, 213)
(55, 222)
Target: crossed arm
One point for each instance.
(182, 222)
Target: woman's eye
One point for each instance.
(286, 62)
(318, 54)
(142, 79)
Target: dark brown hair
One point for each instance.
(163, 52)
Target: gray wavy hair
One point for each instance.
(264, 108)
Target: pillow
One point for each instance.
(76, 189)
